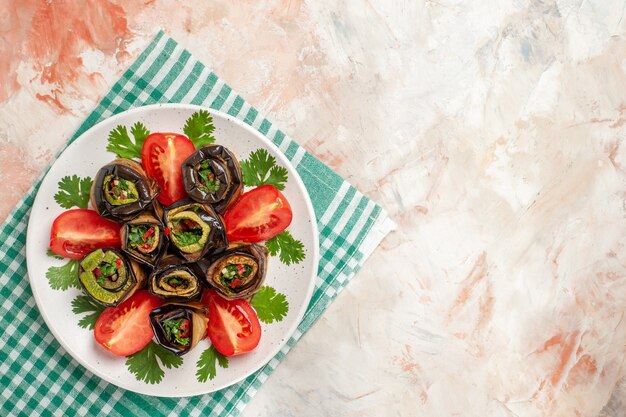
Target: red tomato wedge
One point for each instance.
(233, 327)
(77, 232)
(125, 329)
(162, 156)
(258, 215)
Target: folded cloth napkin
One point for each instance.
(37, 376)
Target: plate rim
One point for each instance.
(314, 251)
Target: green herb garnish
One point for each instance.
(122, 145)
(290, 250)
(84, 304)
(207, 364)
(53, 255)
(260, 168)
(199, 128)
(270, 305)
(63, 277)
(74, 192)
(145, 366)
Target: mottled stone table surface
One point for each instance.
(491, 130)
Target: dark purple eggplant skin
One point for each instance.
(131, 171)
(171, 262)
(209, 268)
(216, 242)
(173, 311)
(226, 168)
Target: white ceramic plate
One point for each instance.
(84, 157)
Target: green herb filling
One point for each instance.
(209, 183)
(118, 191)
(231, 274)
(177, 331)
(141, 236)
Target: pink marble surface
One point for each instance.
(490, 130)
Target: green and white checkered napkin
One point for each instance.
(37, 376)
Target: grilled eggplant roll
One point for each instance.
(122, 190)
(239, 272)
(109, 277)
(179, 327)
(212, 175)
(175, 280)
(143, 239)
(194, 229)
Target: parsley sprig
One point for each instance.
(146, 364)
(260, 168)
(84, 304)
(53, 255)
(62, 277)
(199, 128)
(270, 305)
(289, 249)
(207, 364)
(73, 191)
(121, 144)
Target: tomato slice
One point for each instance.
(258, 215)
(77, 232)
(125, 329)
(162, 156)
(233, 327)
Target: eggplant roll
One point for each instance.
(109, 277)
(122, 190)
(239, 272)
(212, 175)
(179, 327)
(143, 238)
(175, 280)
(194, 229)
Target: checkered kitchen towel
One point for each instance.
(37, 376)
